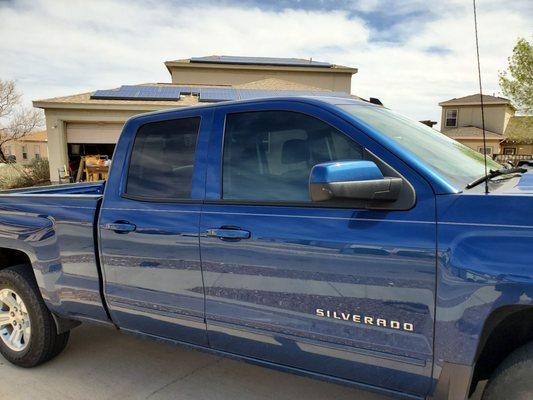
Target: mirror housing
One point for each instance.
(357, 180)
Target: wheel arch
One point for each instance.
(10, 257)
(506, 329)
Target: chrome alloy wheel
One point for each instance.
(15, 328)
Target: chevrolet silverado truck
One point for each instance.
(328, 237)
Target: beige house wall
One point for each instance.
(326, 79)
(15, 147)
(476, 144)
(496, 117)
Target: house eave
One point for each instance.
(502, 103)
(92, 106)
(335, 69)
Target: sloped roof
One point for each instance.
(85, 98)
(277, 62)
(80, 99)
(261, 61)
(471, 132)
(475, 99)
(39, 136)
(520, 129)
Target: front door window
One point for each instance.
(268, 155)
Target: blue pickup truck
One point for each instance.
(323, 236)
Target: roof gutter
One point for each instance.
(212, 65)
(91, 106)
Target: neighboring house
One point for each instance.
(461, 120)
(518, 137)
(33, 146)
(90, 123)
(508, 137)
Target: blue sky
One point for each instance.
(411, 54)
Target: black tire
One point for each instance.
(44, 343)
(513, 379)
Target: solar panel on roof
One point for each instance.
(218, 94)
(139, 92)
(300, 62)
(206, 94)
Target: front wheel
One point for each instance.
(513, 379)
(28, 335)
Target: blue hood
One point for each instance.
(517, 187)
(525, 184)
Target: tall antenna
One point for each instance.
(481, 101)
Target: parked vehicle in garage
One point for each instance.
(523, 163)
(330, 237)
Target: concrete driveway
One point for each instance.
(100, 363)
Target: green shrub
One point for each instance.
(17, 176)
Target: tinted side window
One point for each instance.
(162, 159)
(268, 155)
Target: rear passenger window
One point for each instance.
(268, 155)
(162, 159)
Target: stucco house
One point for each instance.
(90, 123)
(33, 146)
(461, 120)
(506, 134)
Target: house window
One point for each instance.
(24, 152)
(488, 150)
(451, 118)
(37, 150)
(509, 151)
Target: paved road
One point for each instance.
(100, 363)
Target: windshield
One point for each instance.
(451, 159)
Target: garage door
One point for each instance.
(83, 132)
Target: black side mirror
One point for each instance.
(358, 180)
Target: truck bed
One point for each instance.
(55, 227)
(91, 188)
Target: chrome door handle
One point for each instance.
(120, 227)
(228, 233)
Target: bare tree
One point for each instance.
(16, 121)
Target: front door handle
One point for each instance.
(228, 233)
(120, 227)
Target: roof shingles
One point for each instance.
(475, 99)
(274, 84)
(520, 130)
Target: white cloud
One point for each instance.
(57, 48)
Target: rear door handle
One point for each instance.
(227, 233)
(120, 227)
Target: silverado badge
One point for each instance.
(366, 320)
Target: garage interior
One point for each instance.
(90, 149)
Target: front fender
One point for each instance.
(484, 264)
